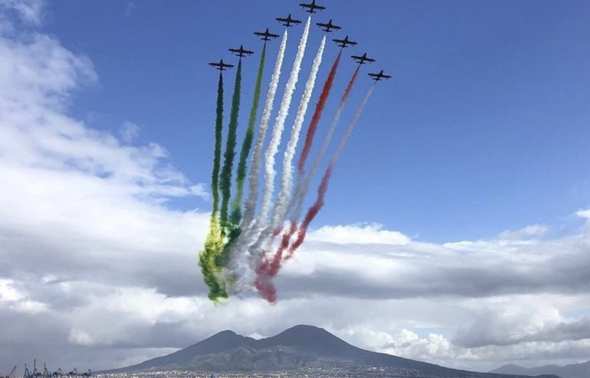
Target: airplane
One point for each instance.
(241, 52)
(379, 76)
(221, 66)
(344, 42)
(363, 59)
(327, 27)
(266, 35)
(311, 7)
(288, 20)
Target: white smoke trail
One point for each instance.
(238, 265)
(260, 230)
(279, 126)
(287, 178)
(250, 205)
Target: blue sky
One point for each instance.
(483, 128)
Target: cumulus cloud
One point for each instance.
(80, 207)
(583, 213)
(461, 269)
(534, 231)
(29, 11)
(358, 234)
(517, 320)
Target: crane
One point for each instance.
(11, 372)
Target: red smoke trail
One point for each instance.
(312, 211)
(269, 268)
(317, 114)
(309, 141)
(319, 202)
(266, 288)
(302, 186)
(350, 85)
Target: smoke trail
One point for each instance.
(317, 114)
(214, 241)
(286, 182)
(303, 182)
(230, 146)
(238, 263)
(217, 151)
(267, 269)
(273, 146)
(319, 202)
(250, 206)
(263, 230)
(312, 211)
(207, 261)
(236, 214)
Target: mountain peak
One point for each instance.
(226, 333)
(299, 347)
(310, 339)
(221, 341)
(305, 329)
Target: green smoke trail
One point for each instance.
(229, 155)
(214, 241)
(207, 261)
(217, 152)
(236, 214)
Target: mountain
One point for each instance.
(301, 349)
(568, 371)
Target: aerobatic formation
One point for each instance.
(251, 236)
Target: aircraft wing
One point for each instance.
(313, 6)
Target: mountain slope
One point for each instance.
(298, 348)
(568, 371)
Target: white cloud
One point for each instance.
(30, 11)
(8, 292)
(16, 300)
(534, 231)
(583, 213)
(358, 234)
(129, 131)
